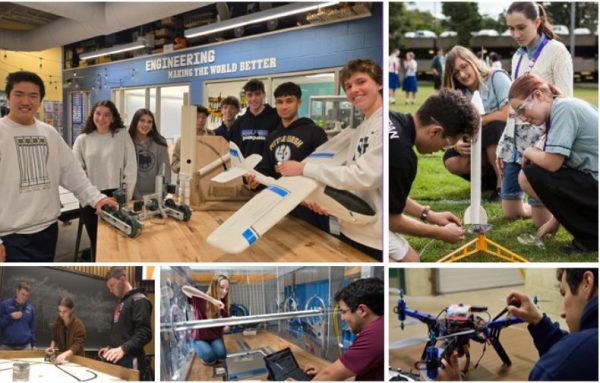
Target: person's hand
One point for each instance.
(463, 147)
(451, 233)
(442, 218)
(33, 348)
(290, 168)
(526, 156)
(500, 166)
(252, 182)
(16, 315)
(62, 358)
(101, 352)
(315, 207)
(105, 201)
(113, 355)
(526, 310)
(311, 370)
(226, 329)
(451, 369)
(219, 304)
(549, 228)
(2, 253)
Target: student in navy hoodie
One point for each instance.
(17, 321)
(295, 138)
(250, 130)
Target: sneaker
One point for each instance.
(494, 197)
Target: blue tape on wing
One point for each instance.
(322, 155)
(277, 190)
(234, 153)
(250, 235)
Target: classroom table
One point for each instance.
(169, 240)
(263, 339)
(78, 369)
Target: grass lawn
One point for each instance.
(436, 187)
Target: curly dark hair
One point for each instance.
(367, 291)
(117, 121)
(154, 134)
(453, 111)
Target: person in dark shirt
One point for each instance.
(563, 356)
(17, 321)
(295, 138)
(250, 131)
(131, 329)
(361, 304)
(441, 121)
(230, 107)
(208, 343)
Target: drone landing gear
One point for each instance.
(495, 341)
(483, 244)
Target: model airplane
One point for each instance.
(281, 196)
(455, 329)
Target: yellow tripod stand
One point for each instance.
(482, 244)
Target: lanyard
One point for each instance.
(533, 59)
(548, 127)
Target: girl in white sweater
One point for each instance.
(104, 149)
(541, 54)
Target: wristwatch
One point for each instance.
(425, 213)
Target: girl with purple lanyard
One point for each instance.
(541, 54)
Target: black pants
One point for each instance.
(90, 219)
(572, 197)
(138, 362)
(36, 247)
(370, 251)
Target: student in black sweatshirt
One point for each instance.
(295, 138)
(250, 130)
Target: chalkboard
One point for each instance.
(94, 304)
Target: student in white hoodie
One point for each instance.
(363, 169)
(34, 161)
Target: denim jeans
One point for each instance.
(511, 190)
(210, 350)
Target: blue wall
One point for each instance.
(298, 50)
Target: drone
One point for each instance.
(453, 329)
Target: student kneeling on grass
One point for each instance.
(563, 171)
(440, 122)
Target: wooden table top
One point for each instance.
(169, 240)
(262, 339)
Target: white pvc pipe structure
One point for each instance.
(235, 321)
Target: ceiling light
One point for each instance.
(273, 13)
(140, 43)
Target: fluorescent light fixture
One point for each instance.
(140, 43)
(320, 75)
(273, 13)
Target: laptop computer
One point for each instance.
(282, 365)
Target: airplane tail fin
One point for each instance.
(239, 165)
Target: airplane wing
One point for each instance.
(261, 213)
(332, 152)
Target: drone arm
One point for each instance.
(429, 320)
(504, 322)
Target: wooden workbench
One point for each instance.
(169, 240)
(80, 367)
(262, 339)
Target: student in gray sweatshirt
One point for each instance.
(151, 152)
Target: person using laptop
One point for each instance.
(361, 305)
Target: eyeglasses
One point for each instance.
(460, 69)
(524, 105)
(344, 311)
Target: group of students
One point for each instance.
(130, 329)
(409, 83)
(106, 156)
(361, 304)
(536, 139)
